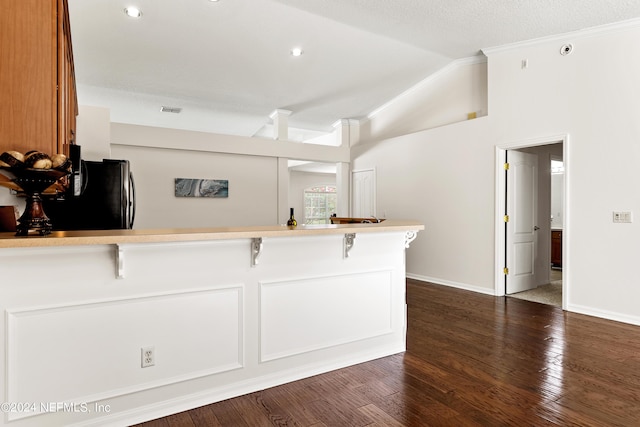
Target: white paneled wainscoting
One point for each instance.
(82, 322)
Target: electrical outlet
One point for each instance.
(148, 356)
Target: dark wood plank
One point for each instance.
(204, 417)
(471, 360)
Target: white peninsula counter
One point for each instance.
(119, 327)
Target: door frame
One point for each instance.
(500, 207)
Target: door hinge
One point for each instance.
(506, 270)
(506, 166)
(506, 218)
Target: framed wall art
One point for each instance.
(189, 187)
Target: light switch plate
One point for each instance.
(622, 217)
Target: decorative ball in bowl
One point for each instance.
(32, 173)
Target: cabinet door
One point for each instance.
(67, 100)
(28, 66)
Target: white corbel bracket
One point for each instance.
(119, 261)
(409, 237)
(256, 250)
(348, 243)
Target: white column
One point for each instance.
(347, 132)
(341, 131)
(343, 187)
(354, 132)
(283, 190)
(280, 124)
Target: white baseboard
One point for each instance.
(458, 285)
(574, 308)
(604, 314)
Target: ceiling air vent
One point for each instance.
(175, 110)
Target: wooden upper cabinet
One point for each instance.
(37, 86)
(67, 98)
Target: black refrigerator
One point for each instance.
(102, 197)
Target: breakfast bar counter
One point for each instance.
(119, 327)
(102, 237)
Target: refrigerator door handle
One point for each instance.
(84, 179)
(132, 201)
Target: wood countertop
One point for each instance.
(106, 237)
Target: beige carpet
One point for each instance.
(550, 294)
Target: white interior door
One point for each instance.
(364, 194)
(522, 197)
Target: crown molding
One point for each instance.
(578, 34)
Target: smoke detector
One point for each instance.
(566, 49)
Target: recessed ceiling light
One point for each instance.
(296, 51)
(133, 12)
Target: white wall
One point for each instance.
(253, 166)
(445, 176)
(93, 132)
(441, 179)
(593, 95)
(252, 197)
(441, 99)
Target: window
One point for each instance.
(319, 204)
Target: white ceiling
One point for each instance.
(227, 63)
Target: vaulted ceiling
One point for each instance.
(228, 65)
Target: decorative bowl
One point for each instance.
(32, 182)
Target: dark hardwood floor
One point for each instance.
(471, 360)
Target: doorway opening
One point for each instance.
(549, 294)
(535, 246)
(312, 190)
